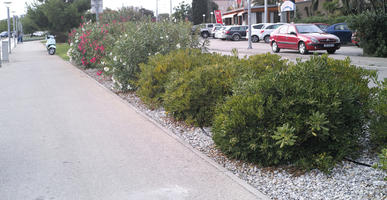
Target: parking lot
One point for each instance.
(353, 52)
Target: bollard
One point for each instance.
(4, 48)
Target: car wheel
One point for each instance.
(205, 35)
(254, 38)
(274, 47)
(302, 48)
(267, 39)
(331, 51)
(236, 37)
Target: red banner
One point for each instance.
(218, 17)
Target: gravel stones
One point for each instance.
(346, 181)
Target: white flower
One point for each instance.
(157, 53)
(106, 69)
(161, 38)
(115, 58)
(111, 53)
(71, 44)
(103, 63)
(126, 35)
(149, 54)
(166, 36)
(120, 60)
(124, 63)
(178, 45)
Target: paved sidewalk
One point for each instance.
(64, 137)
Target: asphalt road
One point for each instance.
(65, 137)
(353, 52)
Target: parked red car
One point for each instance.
(304, 38)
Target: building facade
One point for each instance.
(239, 15)
(224, 4)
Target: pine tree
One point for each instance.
(199, 7)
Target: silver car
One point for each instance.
(265, 31)
(220, 34)
(256, 28)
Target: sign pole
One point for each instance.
(249, 21)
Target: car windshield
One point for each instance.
(308, 29)
(322, 26)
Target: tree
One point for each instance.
(199, 7)
(331, 6)
(56, 16)
(182, 12)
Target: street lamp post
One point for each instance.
(14, 28)
(9, 26)
(212, 17)
(249, 21)
(204, 18)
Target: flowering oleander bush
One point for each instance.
(141, 40)
(90, 43)
(119, 47)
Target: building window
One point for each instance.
(277, 18)
(259, 17)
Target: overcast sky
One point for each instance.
(18, 6)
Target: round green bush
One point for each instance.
(155, 73)
(378, 125)
(192, 96)
(311, 114)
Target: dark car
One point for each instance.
(4, 34)
(236, 32)
(304, 38)
(342, 31)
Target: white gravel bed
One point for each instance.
(346, 181)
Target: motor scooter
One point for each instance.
(51, 44)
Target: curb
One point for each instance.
(223, 170)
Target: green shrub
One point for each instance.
(371, 32)
(197, 81)
(311, 114)
(192, 96)
(154, 74)
(378, 126)
(382, 161)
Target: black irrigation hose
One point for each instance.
(359, 163)
(205, 132)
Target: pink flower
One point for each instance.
(93, 60)
(80, 47)
(99, 72)
(102, 48)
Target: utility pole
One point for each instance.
(157, 10)
(265, 17)
(9, 31)
(249, 21)
(14, 31)
(170, 9)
